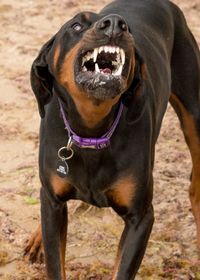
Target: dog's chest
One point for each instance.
(101, 182)
(92, 177)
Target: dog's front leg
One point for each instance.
(54, 230)
(133, 244)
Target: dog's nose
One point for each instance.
(112, 25)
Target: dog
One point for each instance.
(102, 84)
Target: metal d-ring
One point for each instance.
(69, 143)
(68, 150)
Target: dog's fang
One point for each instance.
(95, 53)
(118, 58)
(83, 61)
(119, 71)
(97, 70)
(100, 49)
(122, 56)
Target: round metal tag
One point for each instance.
(62, 168)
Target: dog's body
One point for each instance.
(161, 64)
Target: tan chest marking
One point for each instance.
(123, 191)
(61, 186)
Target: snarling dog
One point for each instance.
(102, 84)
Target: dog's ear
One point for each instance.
(134, 98)
(41, 78)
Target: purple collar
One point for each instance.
(92, 143)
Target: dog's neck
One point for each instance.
(89, 120)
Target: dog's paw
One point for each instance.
(34, 251)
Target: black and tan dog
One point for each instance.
(102, 84)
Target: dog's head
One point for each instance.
(91, 56)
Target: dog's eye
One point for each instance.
(77, 26)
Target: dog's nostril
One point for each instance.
(105, 24)
(122, 25)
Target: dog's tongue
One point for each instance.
(106, 71)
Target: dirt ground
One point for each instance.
(93, 234)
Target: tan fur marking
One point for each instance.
(144, 71)
(67, 70)
(193, 142)
(56, 57)
(92, 114)
(123, 191)
(60, 186)
(34, 246)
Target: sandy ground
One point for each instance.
(92, 242)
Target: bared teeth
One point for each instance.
(95, 53)
(118, 63)
(119, 71)
(106, 49)
(100, 49)
(122, 56)
(97, 70)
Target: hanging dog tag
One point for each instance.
(62, 168)
(64, 154)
